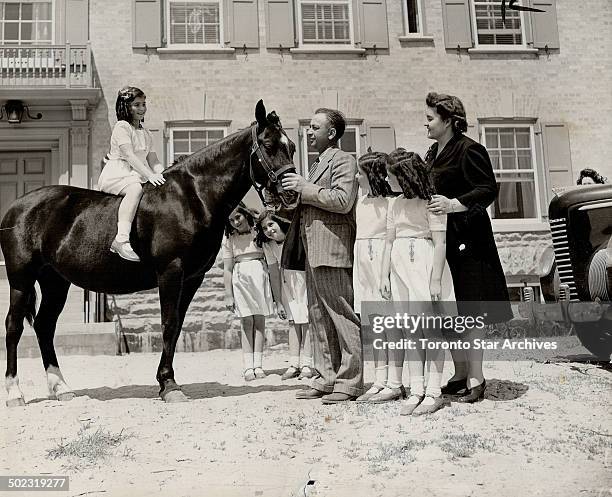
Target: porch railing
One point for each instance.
(49, 65)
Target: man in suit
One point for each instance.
(324, 226)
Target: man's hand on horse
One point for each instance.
(293, 182)
(156, 179)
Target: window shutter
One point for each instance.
(374, 25)
(381, 137)
(77, 17)
(544, 24)
(557, 155)
(146, 23)
(242, 21)
(457, 24)
(280, 23)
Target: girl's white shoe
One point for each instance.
(125, 250)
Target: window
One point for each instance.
(325, 22)
(349, 143)
(26, 23)
(413, 18)
(195, 23)
(511, 148)
(186, 141)
(489, 28)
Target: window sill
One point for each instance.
(416, 38)
(217, 50)
(502, 50)
(326, 50)
(519, 225)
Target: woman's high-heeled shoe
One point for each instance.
(454, 387)
(475, 394)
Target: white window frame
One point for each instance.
(172, 129)
(303, 136)
(497, 46)
(168, 20)
(326, 46)
(33, 43)
(536, 170)
(420, 19)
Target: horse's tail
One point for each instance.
(30, 310)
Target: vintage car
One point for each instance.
(578, 274)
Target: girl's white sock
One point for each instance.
(123, 231)
(381, 375)
(394, 377)
(306, 361)
(417, 385)
(294, 361)
(257, 359)
(247, 361)
(433, 384)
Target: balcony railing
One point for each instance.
(63, 66)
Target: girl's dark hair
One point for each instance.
(374, 165)
(260, 237)
(412, 174)
(125, 97)
(594, 175)
(449, 107)
(246, 212)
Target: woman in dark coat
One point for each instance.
(466, 186)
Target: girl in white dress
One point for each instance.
(247, 287)
(131, 161)
(289, 291)
(415, 270)
(371, 220)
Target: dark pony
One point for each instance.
(60, 235)
(412, 174)
(374, 165)
(261, 237)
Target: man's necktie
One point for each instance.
(313, 169)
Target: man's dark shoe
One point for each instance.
(311, 393)
(458, 387)
(475, 394)
(337, 398)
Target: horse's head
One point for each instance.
(271, 158)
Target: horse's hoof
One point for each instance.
(175, 396)
(65, 397)
(18, 402)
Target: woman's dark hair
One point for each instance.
(260, 237)
(246, 212)
(374, 165)
(412, 174)
(449, 107)
(125, 97)
(336, 120)
(594, 175)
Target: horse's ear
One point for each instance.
(260, 114)
(369, 150)
(273, 118)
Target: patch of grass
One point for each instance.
(458, 445)
(592, 443)
(385, 453)
(89, 447)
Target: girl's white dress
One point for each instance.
(250, 281)
(409, 227)
(117, 172)
(294, 294)
(371, 220)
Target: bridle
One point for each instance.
(273, 176)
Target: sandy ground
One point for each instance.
(544, 429)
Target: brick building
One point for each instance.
(536, 89)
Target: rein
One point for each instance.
(273, 176)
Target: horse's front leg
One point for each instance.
(170, 289)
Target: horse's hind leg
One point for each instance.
(22, 305)
(54, 291)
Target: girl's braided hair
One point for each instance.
(449, 107)
(412, 174)
(260, 237)
(374, 165)
(125, 97)
(246, 212)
